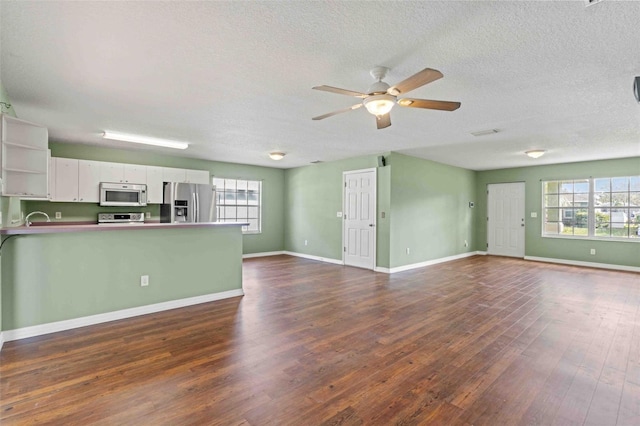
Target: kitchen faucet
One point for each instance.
(32, 213)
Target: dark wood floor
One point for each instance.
(480, 341)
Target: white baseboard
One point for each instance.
(263, 254)
(52, 327)
(318, 258)
(587, 264)
(1, 340)
(427, 263)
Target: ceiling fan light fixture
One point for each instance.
(146, 140)
(535, 153)
(379, 104)
(277, 156)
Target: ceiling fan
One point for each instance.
(381, 97)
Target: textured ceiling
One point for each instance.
(234, 78)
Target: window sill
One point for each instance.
(613, 240)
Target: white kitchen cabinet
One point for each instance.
(111, 172)
(154, 185)
(52, 177)
(66, 182)
(25, 160)
(123, 173)
(89, 175)
(79, 180)
(170, 174)
(134, 173)
(198, 176)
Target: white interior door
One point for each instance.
(359, 233)
(505, 227)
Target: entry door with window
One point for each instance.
(505, 227)
(359, 232)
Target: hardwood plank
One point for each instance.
(482, 340)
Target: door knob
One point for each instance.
(371, 224)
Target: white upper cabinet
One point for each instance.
(25, 159)
(198, 176)
(170, 174)
(123, 173)
(79, 180)
(66, 181)
(154, 185)
(89, 175)
(134, 173)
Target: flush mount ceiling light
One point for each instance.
(146, 140)
(277, 155)
(535, 153)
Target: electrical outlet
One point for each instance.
(305, 242)
(466, 243)
(408, 250)
(383, 215)
(144, 280)
(147, 215)
(58, 215)
(593, 251)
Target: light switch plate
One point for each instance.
(58, 215)
(534, 214)
(339, 214)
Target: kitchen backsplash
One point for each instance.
(85, 212)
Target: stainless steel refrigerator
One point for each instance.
(188, 203)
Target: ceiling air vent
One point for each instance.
(485, 132)
(590, 2)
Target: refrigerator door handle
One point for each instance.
(194, 207)
(197, 207)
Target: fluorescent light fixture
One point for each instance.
(146, 140)
(277, 155)
(535, 153)
(379, 104)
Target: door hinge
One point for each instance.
(345, 249)
(345, 184)
(487, 245)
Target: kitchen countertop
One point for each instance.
(59, 227)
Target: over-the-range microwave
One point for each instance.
(123, 194)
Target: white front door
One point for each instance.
(359, 233)
(505, 227)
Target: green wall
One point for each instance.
(55, 277)
(611, 252)
(313, 196)
(430, 211)
(272, 236)
(425, 205)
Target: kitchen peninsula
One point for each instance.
(56, 277)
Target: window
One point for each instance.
(240, 201)
(594, 207)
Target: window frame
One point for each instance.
(223, 195)
(591, 208)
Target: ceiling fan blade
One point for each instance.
(340, 91)
(429, 104)
(421, 78)
(383, 121)
(330, 114)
